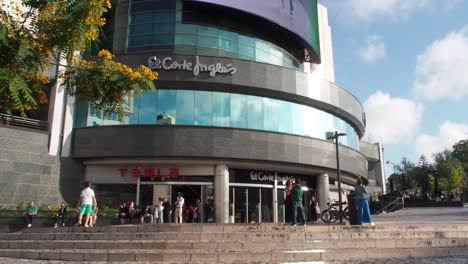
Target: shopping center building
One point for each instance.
(245, 97)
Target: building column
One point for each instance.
(323, 190)
(221, 195)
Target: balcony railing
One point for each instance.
(11, 120)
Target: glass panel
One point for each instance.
(246, 50)
(186, 28)
(240, 212)
(134, 118)
(163, 28)
(148, 106)
(190, 40)
(142, 18)
(140, 40)
(271, 109)
(208, 31)
(253, 195)
(262, 56)
(95, 117)
(227, 45)
(163, 39)
(221, 109)
(285, 123)
(207, 42)
(184, 107)
(141, 29)
(203, 108)
(228, 35)
(254, 112)
(239, 110)
(298, 119)
(246, 40)
(167, 107)
(267, 205)
(165, 16)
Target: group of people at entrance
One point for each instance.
(294, 204)
(161, 212)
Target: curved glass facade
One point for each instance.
(206, 108)
(157, 26)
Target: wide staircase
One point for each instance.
(212, 243)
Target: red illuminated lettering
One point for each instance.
(159, 174)
(173, 172)
(122, 171)
(149, 172)
(136, 172)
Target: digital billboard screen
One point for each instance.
(298, 16)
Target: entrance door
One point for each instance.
(251, 204)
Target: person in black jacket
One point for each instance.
(62, 211)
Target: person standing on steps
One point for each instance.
(362, 204)
(179, 204)
(296, 196)
(31, 210)
(288, 201)
(87, 204)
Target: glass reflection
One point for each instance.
(206, 108)
(203, 108)
(221, 109)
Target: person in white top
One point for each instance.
(86, 204)
(179, 207)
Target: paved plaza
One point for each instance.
(425, 215)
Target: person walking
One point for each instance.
(362, 204)
(62, 211)
(179, 207)
(296, 196)
(31, 210)
(87, 203)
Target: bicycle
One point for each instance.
(332, 213)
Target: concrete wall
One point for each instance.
(157, 141)
(28, 172)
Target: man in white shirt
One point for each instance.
(179, 207)
(86, 204)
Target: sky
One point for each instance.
(407, 62)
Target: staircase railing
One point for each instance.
(397, 204)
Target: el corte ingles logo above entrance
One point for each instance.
(168, 63)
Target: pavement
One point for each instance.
(424, 215)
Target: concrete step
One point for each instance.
(233, 245)
(217, 256)
(219, 228)
(237, 236)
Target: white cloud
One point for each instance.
(368, 10)
(374, 51)
(449, 134)
(391, 120)
(441, 70)
(371, 10)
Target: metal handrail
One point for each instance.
(12, 120)
(394, 203)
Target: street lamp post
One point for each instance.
(334, 136)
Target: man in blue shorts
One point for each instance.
(87, 204)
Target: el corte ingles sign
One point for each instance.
(196, 67)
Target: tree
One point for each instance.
(460, 152)
(449, 171)
(37, 34)
(422, 173)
